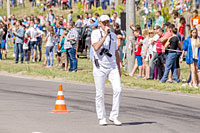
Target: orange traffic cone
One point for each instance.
(60, 106)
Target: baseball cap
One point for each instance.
(95, 24)
(104, 18)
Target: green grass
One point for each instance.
(28, 10)
(84, 75)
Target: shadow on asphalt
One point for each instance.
(136, 123)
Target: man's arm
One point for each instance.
(118, 61)
(98, 44)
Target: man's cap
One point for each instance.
(104, 18)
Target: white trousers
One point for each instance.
(100, 75)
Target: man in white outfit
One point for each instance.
(106, 64)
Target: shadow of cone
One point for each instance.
(60, 106)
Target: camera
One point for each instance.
(108, 31)
(72, 42)
(106, 52)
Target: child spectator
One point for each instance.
(26, 47)
(64, 59)
(181, 29)
(138, 49)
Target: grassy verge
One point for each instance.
(84, 75)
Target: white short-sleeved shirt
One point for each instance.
(155, 38)
(104, 60)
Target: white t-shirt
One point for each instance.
(145, 46)
(155, 38)
(104, 60)
(50, 40)
(150, 46)
(33, 32)
(118, 20)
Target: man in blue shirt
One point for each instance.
(160, 19)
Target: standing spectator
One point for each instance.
(120, 38)
(33, 32)
(116, 19)
(195, 19)
(86, 20)
(69, 17)
(4, 43)
(94, 26)
(64, 59)
(12, 4)
(1, 38)
(91, 4)
(79, 25)
(38, 3)
(103, 4)
(160, 19)
(112, 4)
(50, 16)
(39, 39)
(181, 29)
(188, 17)
(50, 38)
(26, 47)
(96, 15)
(33, 3)
(87, 4)
(145, 53)
(19, 40)
(192, 46)
(160, 48)
(71, 42)
(138, 49)
(1, 3)
(173, 43)
(176, 19)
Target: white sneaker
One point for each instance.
(103, 122)
(115, 121)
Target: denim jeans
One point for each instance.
(26, 54)
(153, 64)
(49, 50)
(170, 65)
(103, 4)
(71, 53)
(19, 49)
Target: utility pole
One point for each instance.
(130, 18)
(8, 8)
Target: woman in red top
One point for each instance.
(182, 29)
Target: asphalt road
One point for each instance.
(26, 104)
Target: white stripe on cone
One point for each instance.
(60, 93)
(60, 102)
